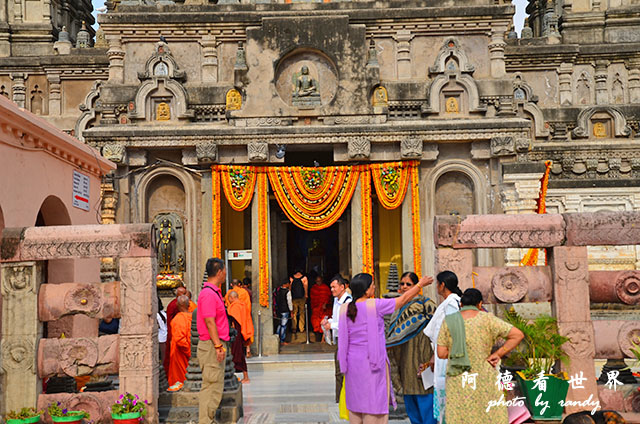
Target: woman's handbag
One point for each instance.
(344, 412)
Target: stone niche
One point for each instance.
(335, 54)
(322, 72)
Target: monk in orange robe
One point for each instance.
(180, 347)
(247, 323)
(172, 310)
(192, 304)
(321, 305)
(237, 311)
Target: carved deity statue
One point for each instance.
(380, 97)
(451, 105)
(166, 247)
(234, 100)
(599, 130)
(163, 112)
(305, 91)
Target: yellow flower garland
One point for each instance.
(367, 221)
(391, 180)
(215, 213)
(238, 182)
(415, 217)
(313, 209)
(263, 241)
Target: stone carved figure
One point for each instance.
(207, 152)
(258, 152)
(584, 89)
(305, 90)
(234, 100)
(163, 112)
(451, 105)
(617, 90)
(359, 148)
(170, 245)
(599, 130)
(380, 97)
(36, 100)
(166, 247)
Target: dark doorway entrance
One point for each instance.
(314, 252)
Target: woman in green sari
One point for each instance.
(466, 339)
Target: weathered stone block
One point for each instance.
(602, 228)
(459, 261)
(99, 300)
(474, 231)
(613, 338)
(78, 356)
(615, 287)
(138, 297)
(570, 284)
(97, 404)
(514, 284)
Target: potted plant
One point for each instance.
(539, 352)
(24, 416)
(60, 414)
(128, 409)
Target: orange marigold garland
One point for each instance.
(531, 257)
(238, 182)
(367, 223)
(313, 198)
(415, 217)
(263, 241)
(215, 213)
(390, 180)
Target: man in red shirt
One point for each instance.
(213, 331)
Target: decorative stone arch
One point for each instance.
(525, 99)
(620, 127)
(586, 78)
(88, 108)
(140, 107)
(428, 190)
(452, 65)
(53, 211)
(190, 184)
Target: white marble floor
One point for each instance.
(291, 389)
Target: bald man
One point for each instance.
(237, 312)
(172, 310)
(180, 346)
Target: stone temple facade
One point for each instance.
(167, 89)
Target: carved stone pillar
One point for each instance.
(108, 266)
(403, 38)
(356, 230)
(55, 106)
(602, 94)
(19, 88)
(459, 261)
(209, 59)
(564, 81)
(21, 331)
(139, 331)
(634, 80)
(116, 60)
(571, 306)
(496, 51)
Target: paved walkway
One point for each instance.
(291, 389)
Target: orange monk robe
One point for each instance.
(180, 347)
(239, 311)
(247, 322)
(320, 305)
(192, 306)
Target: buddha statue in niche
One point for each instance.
(305, 90)
(163, 112)
(451, 105)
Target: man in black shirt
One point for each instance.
(283, 309)
(299, 295)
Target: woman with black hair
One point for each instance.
(466, 339)
(360, 337)
(447, 285)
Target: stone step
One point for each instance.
(318, 361)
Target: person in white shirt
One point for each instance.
(339, 290)
(162, 329)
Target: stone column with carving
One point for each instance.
(356, 230)
(403, 39)
(19, 88)
(139, 331)
(209, 59)
(496, 51)
(564, 81)
(20, 335)
(108, 266)
(55, 106)
(116, 60)
(571, 307)
(634, 80)
(459, 261)
(601, 75)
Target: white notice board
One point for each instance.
(80, 191)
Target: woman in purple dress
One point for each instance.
(362, 353)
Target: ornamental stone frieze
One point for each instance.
(359, 148)
(411, 147)
(207, 152)
(586, 164)
(258, 152)
(115, 152)
(502, 146)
